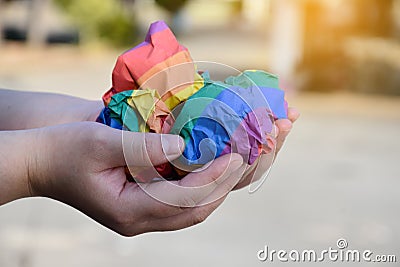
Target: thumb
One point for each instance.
(143, 149)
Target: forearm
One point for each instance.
(16, 156)
(27, 110)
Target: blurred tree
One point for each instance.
(106, 20)
(172, 6)
(177, 19)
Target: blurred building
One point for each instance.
(338, 44)
(36, 22)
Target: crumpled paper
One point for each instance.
(231, 116)
(159, 63)
(215, 118)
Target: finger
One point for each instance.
(256, 171)
(165, 199)
(194, 187)
(190, 217)
(227, 186)
(284, 126)
(293, 114)
(220, 168)
(142, 149)
(247, 176)
(193, 216)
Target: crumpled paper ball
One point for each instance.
(157, 88)
(230, 117)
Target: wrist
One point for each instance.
(16, 157)
(44, 109)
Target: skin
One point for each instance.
(53, 148)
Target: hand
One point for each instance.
(82, 165)
(255, 171)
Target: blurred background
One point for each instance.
(337, 176)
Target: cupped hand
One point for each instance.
(83, 165)
(89, 111)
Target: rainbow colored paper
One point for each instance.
(214, 118)
(159, 63)
(234, 115)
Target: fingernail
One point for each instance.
(285, 126)
(294, 114)
(173, 145)
(276, 131)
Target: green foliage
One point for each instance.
(105, 20)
